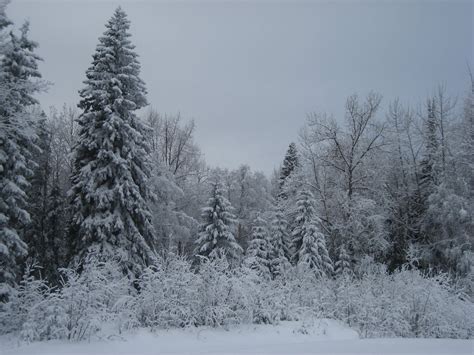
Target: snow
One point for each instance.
(317, 337)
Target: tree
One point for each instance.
(18, 72)
(342, 163)
(280, 242)
(429, 176)
(304, 216)
(111, 166)
(290, 163)
(313, 253)
(172, 143)
(37, 192)
(348, 151)
(248, 192)
(343, 263)
(215, 233)
(259, 250)
(4, 23)
(401, 188)
(56, 236)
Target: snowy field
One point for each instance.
(318, 337)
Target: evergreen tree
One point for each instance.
(313, 253)
(55, 235)
(4, 23)
(343, 264)
(428, 179)
(290, 163)
(18, 70)
(429, 164)
(111, 166)
(38, 192)
(215, 233)
(280, 243)
(259, 250)
(303, 219)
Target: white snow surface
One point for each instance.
(317, 337)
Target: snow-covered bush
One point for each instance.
(88, 298)
(405, 303)
(223, 300)
(168, 294)
(98, 300)
(79, 309)
(25, 303)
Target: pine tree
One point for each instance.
(428, 179)
(343, 264)
(18, 70)
(38, 198)
(55, 235)
(4, 23)
(290, 163)
(429, 164)
(259, 250)
(304, 217)
(215, 233)
(313, 253)
(111, 166)
(280, 243)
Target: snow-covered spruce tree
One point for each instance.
(313, 253)
(304, 217)
(428, 179)
(56, 232)
(258, 254)
(215, 233)
(343, 263)
(111, 166)
(429, 165)
(290, 163)
(18, 71)
(37, 201)
(280, 243)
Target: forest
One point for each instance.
(111, 219)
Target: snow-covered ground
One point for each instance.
(317, 337)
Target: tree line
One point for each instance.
(103, 179)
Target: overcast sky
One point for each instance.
(249, 72)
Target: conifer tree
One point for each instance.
(280, 243)
(313, 253)
(343, 264)
(38, 198)
(111, 166)
(259, 250)
(4, 23)
(18, 71)
(216, 232)
(290, 163)
(55, 235)
(429, 164)
(303, 219)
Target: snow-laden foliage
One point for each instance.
(216, 231)
(100, 301)
(313, 255)
(304, 217)
(389, 202)
(290, 164)
(280, 243)
(343, 264)
(19, 77)
(403, 303)
(259, 252)
(78, 310)
(111, 170)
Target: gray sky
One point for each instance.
(249, 72)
